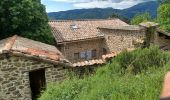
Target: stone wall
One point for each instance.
(69, 49)
(162, 41)
(117, 40)
(14, 76)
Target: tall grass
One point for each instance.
(136, 75)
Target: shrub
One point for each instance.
(136, 75)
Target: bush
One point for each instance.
(136, 75)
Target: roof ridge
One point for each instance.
(81, 20)
(9, 44)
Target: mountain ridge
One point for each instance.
(103, 13)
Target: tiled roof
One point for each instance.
(128, 27)
(33, 49)
(73, 30)
(89, 63)
(104, 60)
(149, 24)
(163, 32)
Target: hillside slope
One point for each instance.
(102, 13)
(136, 75)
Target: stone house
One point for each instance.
(27, 66)
(85, 40)
(154, 35)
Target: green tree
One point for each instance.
(164, 16)
(140, 18)
(25, 18)
(163, 1)
(114, 15)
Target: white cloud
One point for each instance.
(72, 1)
(117, 4)
(103, 4)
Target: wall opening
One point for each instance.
(37, 82)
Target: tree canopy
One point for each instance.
(164, 16)
(115, 15)
(26, 18)
(140, 18)
(163, 1)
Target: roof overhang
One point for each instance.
(163, 32)
(125, 28)
(81, 40)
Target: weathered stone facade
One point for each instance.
(14, 76)
(113, 41)
(68, 49)
(117, 40)
(162, 40)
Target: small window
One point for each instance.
(82, 55)
(88, 55)
(93, 53)
(76, 55)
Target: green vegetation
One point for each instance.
(26, 18)
(136, 75)
(139, 18)
(164, 15)
(115, 15)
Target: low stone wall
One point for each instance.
(14, 76)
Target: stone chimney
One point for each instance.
(150, 32)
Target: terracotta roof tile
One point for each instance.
(83, 29)
(30, 48)
(89, 63)
(127, 27)
(104, 59)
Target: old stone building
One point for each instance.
(118, 38)
(88, 40)
(163, 39)
(156, 36)
(27, 66)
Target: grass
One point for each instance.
(136, 75)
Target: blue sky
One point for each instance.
(63, 5)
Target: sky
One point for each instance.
(63, 5)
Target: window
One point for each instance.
(82, 55)
(93, 53)
(88, 55)
(76, 55)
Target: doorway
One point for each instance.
(37, 82)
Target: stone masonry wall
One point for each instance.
(14, 76)
(81, 46)
(117, 40)
(163, 42)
